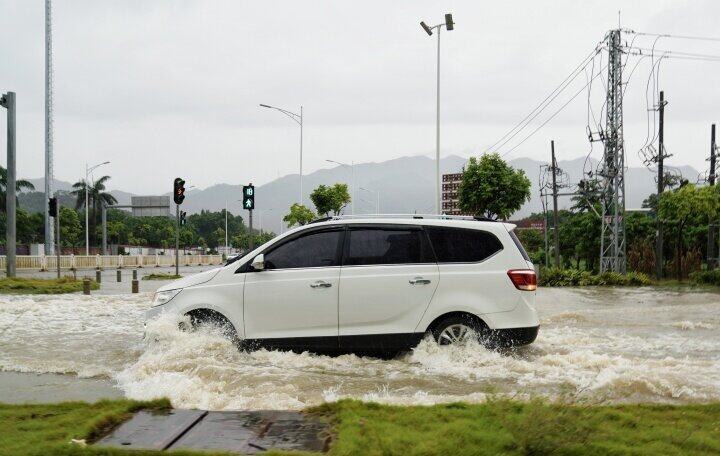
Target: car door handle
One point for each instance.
(320, 284)
(419, 281)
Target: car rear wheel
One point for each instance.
(459, 330)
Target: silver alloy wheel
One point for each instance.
(455, 334)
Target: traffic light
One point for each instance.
(52, 206)
(249, 197)
(182, 218)
(178, 190)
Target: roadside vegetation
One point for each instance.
(552, 277)
(161, 276)
(22, 285)
(495, 427)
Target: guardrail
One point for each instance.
(70, 262)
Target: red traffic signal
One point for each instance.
(178, 190)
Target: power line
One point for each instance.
(682, 53)
(556, 112)
(546, 102)
(682, 37)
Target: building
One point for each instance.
(450, 186)
(151, 206)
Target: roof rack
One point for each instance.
(405, 216)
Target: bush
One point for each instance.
(553, 277)
(22, 285)
(706, 277)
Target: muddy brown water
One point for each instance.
(615, 345)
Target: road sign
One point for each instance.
(249, 197)
(178, 190)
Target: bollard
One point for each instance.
(97, 276)
(119, 275)
(135, 286)
(134, 274)
(86, 285)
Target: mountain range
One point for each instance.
(405, 185)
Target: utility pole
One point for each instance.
(251, 240)
(612, 241)
(57, 233)
(659, 260)
(177, 239)
(8, 102)
(711, 181)
(556, 233)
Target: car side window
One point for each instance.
(377, 245)
(462, 245)
(311, 250)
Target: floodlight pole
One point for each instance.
(449, 25)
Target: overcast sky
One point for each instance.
(171, 88)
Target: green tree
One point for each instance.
(298, 215)
(71, 231)
(491, 188)
(684, 207)
(96, 196)
(330, 199)
(20, 185)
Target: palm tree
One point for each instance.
(20, 185)
(96, 196)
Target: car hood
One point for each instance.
(195, 279)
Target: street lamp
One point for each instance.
(261, 216)
(449, 25)
(297, 118)
(88, 170)
(377, 195)
(352, 182)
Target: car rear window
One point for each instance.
(519, 245)
(374, 245)
(461, 245)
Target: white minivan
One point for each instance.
(369, 285)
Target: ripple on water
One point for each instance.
(672, 355)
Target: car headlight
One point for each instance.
(163, 297)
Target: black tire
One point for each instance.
(451, 323)
(215, 321)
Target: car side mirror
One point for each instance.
(258, 263)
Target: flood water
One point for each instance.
(615, 345)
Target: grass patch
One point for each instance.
(496, 427)
(518, 428)
(161, 276)
(21, 285)
(552, 277)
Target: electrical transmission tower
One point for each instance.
(48, 126)
(612, 243)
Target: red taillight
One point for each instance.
(523, 279)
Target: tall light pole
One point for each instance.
(377, 195)
(88, 170)
(261, 216)
(352, 182)
(48, 125)
(298, 119)
(449, 25)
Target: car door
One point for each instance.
(387, 279)
(293, 302)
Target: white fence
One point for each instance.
(44, 263)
